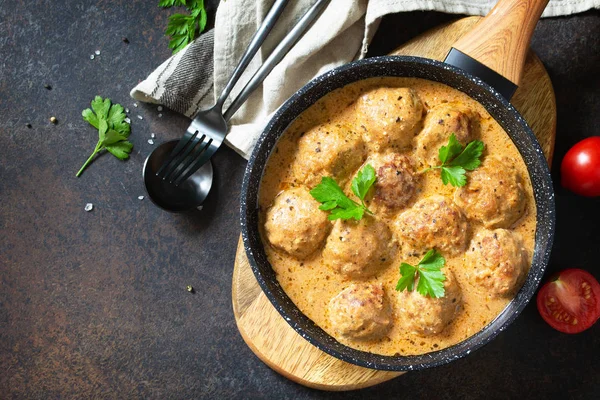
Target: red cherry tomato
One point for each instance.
(580, 169)
(570, 303)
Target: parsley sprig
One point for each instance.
(456, 160)
(428, 270)
(333, 199)
(113, 130)
(183, 28)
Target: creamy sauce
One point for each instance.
(311, 285)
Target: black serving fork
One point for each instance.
(208, 129)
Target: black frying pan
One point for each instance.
(517, 17)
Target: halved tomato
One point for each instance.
(571, 302)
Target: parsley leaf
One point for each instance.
(469, 159)
(455, 175)
(456, 161)
(90, 117)
(183, 28)
(113, 130)
(407, 277)
(428, 270)
(100, 106)
(451, 150)
(116, 118)
(333, 199)
(363, 182)
(171, 3)
(120, 150)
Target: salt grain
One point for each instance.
(140, 197)
(89, 207)
(150, 141)
(140, 117)
(159, 108)
(159, 115)
(91, 56)
(135, 104)
(97, 52)
(127, 110)
(127, 120)
(152, 135)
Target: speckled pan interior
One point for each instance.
(396, 66)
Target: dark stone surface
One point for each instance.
(94, 304)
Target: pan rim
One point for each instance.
(537, 168)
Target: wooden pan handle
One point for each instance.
(501, 40)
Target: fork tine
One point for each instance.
(190, 162)
(181, 158)
(184, 141)
(200, 161)
(190, 166)
(184, 151)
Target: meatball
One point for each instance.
(295, 224)
(396, 181)
(441, 122)
(494, 193)
(433, 222)
(426, 316)
(331, 149)
(359, 249)
(361, 311)
(390, 117)
(496, 260)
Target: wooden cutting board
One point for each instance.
(271, 338)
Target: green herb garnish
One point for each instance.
(431, 278)
(183, 28)
(113, 130)
(456, 160)
(333, 199)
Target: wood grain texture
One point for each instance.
(534, 98)
(270, 337)
(501, 39)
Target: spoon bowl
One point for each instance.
(188, 195)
